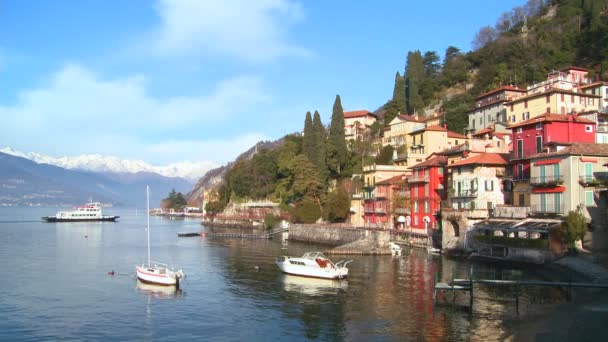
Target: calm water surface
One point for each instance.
(56, 287)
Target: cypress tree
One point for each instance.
(337, 153)
(414, 76)
(309, 141)
(399, 93)
(319, 144)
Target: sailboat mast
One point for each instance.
(148, 211)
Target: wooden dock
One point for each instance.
(467, 285)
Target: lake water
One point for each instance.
(56, 287)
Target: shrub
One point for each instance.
(271, 220)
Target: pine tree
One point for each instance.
(414, 76)
(319, 144)
(309, 141)
(337, 153)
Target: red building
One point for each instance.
(378, 206)
(530, 137)
(427, 186)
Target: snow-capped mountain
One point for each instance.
(98, 163)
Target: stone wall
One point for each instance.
(506, 211)
(325, 235)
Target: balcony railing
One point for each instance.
(357, 196)
(423, 179)
(402, 193)
(465, 194)
(547, 180)
(401, 156)
(549, 208)
(596, 180)
(602, 129)
(402, 211)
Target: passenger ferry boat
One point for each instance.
(89, 212)
(314, 265)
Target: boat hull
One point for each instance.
(311, 272)
(95, 219)
(148, 276)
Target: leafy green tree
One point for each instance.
(214, 207)
(456, 112)
(573, 228)
(337, 208)
(175, 200)
(307, 211)
(391, 109)
(305, 180)
(337, 152)
(385, 157)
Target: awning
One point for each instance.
(589, 160)
(549, 190)
(547, 162)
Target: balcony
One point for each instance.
(405, 211)
(423, 179)
(597, 180)
(547, 181)
(602, 129)
(547, 209)
(402, 194)
(465, 194)
(401, 156)
(357, 196)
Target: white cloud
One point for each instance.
(250, 30)
(78, 112)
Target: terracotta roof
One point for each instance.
(549, 92)
(392, 180)
(434, 161)
(504, 88)
(574, 68)
(456, 149)
(594, 84)
(483, 131)
(456, 135)
(548, 117)
(588, 149)
(482, 159)
(435, 117)
(358, 113)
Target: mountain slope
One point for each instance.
(24, 182)
(98, 163)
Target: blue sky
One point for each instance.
(166, 81)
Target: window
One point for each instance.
(427, 207)
(526, 104)
(415, 220)
(572, 98)
(588, 128)
(539, 144)
(548, 98)
(520, 171)
(519, 130)
(459, 170)
(562, 97)
(440, 171)
(548, 110)
(589, 198)
(489, 185)
(520, 148)
(512, 118)
(426, 189)
(415, 206)
(539, 126)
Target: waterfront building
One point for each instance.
(476, 184)
(569, 177)
(601, 124)
(599, 89)
(376, 192)
(529, 137)
(387, 202)
(427, 188)
(357, 122)
(489, 107)
(427, 140)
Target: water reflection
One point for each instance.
(157, 291)
(313, 286)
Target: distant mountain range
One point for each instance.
(24, 182)
(191, 171)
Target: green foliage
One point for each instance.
(414, 77)
(175, 200)
(573, 227)
(337, 208)
(214, 207)
(391, 109)
(385, 157)
(320, 137)
(456, 109)
(399, 93)
(513, 242)
(307, 211)
(337, 153)
(309, 140)
(271, 220)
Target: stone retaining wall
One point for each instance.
(325, 235)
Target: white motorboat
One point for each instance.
(90, 212)
(313, 286)
(313, 264)
(156, 272)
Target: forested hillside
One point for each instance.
(310, 174)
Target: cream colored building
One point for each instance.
(357, 122)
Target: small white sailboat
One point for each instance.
(156, 272)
